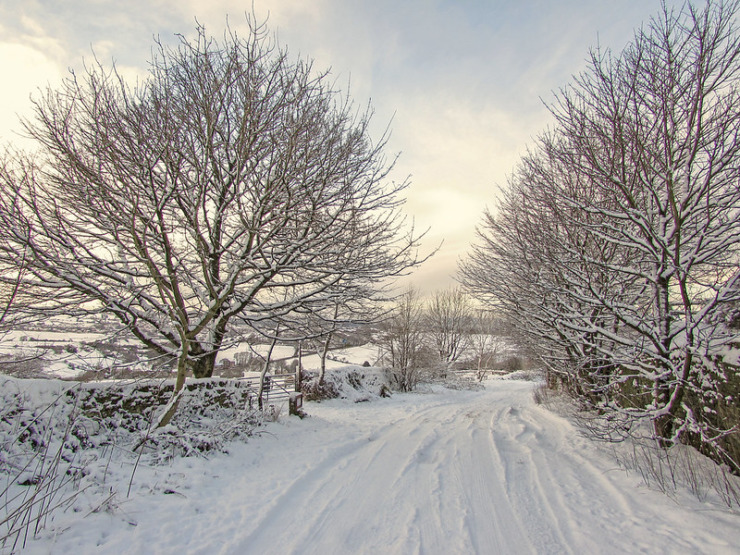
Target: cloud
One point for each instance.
(29, 70)
(462, 80)
(30, 25)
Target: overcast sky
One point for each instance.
(462, 81)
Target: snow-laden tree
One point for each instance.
(232, 183)
(618, 238)
(315, 325)
(322, 326)
(11, 277)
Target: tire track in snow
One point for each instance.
(379, 491)
(458, 472)
(482, 472)
(539, 514)
(318, 495)
(491, 521)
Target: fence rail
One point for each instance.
(478, 374)
(278, 388)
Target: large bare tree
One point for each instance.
(654, 132)
(618, 240)
(232, 183)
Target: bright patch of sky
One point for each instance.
(461, 82)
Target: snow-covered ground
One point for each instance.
(69, 354)
(440, 471)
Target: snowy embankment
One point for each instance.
(484, 471)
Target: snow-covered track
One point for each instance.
(453, 472)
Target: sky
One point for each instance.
(462, 84)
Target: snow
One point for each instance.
(437, 471)
(68, 355)
(337, 358)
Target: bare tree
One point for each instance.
(264, 384)
(663, 121)
(543, 264)
(618, 240)
(448, 319)
(402, 340)
(12, 278)
(232, 183)
(323, 326)
(485, 342)
(352, 304)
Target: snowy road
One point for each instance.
(462, 472)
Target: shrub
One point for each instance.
(313, 390)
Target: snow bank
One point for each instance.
(60, 442)
(483, 471)
(355, 383)
(442, 471)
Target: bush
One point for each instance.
(53, 434)
(512, 364)
(314, 391)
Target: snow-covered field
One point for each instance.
(438, 471)
(69, 355)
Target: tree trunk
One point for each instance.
(299, 368)
(202, 363)
(203, 366)
(324, 353)
(264, 379)
(663, 424)
(182, 367)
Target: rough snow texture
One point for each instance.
(355, 383)
(484, 471)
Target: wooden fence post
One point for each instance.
(299, 367)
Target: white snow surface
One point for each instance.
(440, 471)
